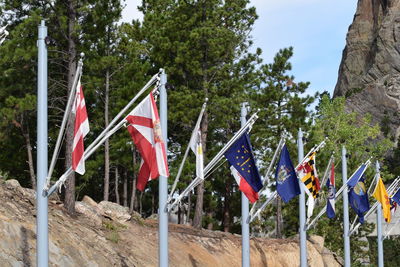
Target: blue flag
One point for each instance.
(243, 167)
(396, 197)
(330, 203)
(358, 198)
(287, 184)
(356, 176)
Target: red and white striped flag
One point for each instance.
(81, 129)
(145, 129)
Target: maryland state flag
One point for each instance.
(382, 196)
(307, 173)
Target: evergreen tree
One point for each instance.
(202, 45)
(283, 109)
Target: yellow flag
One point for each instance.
(382, 196)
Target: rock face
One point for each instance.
(369, 73)
(106, 235)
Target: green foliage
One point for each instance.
(362, 141)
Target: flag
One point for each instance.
(197, 148)
(393, 206)
(330, 183)
(396, 197)
(81, 129)
(307, 173)
(243, 167)
(358, 199)
(356, 175)
(382, 196)
(287, 184)
(145, 129)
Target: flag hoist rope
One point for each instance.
(214, 161)
(105, 134)
(72, 93)
(203, 108)
(338, 193)
(273, 196)
(390, 190)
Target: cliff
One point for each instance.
(105, 234)
(369, 73)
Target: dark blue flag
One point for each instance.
(243, 167)
(396, 197)
(358, 199)
(287, 184)
(356, 175)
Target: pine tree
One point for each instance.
(283, 108)
(201, 44)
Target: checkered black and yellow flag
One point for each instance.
(308, 175)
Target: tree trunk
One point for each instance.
(133, 194)
(140, 203)
(153, 200)
(227, 218)
(69, 201)
(188, 208)
(198, 213)
(279, 222)
(116, 185)
(30, 157)
(106, 144)
(125, 195)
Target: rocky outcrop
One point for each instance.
(369, 73)
(106, 235)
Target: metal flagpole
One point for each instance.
(194, 133)
(253, 215)
(163, 181)
(390, 190)
(217, 158)
(302, 207)
(245, 208)
(105, 134)
(338, 193)
(42, 231)
(379, 223)
(64, 121)
(346, 236)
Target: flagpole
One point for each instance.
(252, 214)
(163, 181)
(42, 231)
(346, 236)
(379, 224)
(302, 207)
(104, 135)
(391, 188)
(196, 127)
(65, 119)
(215, 160)
(338, 193)
(245, 208)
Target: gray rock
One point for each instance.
(114, 211)
(369, 73)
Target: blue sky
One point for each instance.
(315, 28)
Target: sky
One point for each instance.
(316, 29)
